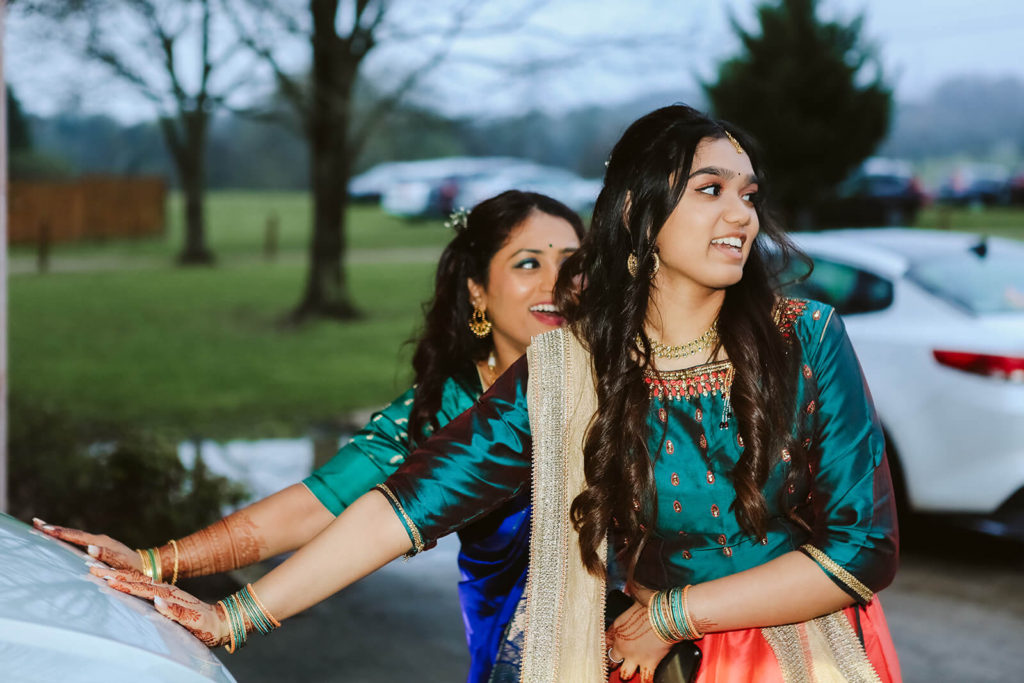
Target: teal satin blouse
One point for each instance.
(376, 451)
(483, 458)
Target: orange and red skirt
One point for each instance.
(747, 656)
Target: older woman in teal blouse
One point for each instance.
(493, 291)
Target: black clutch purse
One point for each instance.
(682, 661)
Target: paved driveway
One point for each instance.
(956, 611)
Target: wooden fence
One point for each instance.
(91, 207)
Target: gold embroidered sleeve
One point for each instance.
(410, 526)
(847, 581)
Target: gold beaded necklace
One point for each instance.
(701, 343)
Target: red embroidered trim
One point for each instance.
(786, 312)
(699, 381)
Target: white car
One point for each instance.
(60, 623)
(937, 320)
(579, 194)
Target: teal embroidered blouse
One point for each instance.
(483, 458)
(376, 451)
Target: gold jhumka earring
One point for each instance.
(478, 322)
(633, 265)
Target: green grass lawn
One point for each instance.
(202, 351)
(999, 221)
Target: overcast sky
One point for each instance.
(576, 47)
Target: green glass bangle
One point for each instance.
(655, 615)
(158, 575)
(237, 621)
(681, 624)
(255, 614)
(673, 616)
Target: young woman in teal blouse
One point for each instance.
(493, 291)
(714, 438)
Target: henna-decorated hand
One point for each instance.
(102, 547)
(205, 621)
(632, 639)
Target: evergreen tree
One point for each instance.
(19, 136)
(812, 92)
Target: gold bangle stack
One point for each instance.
(670, 617)
(153, 568)
(151, 564)
(174, 578)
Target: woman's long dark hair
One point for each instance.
(650, 165)
(446, 347)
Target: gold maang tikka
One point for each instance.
(735, 142)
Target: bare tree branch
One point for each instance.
(286, 83)
(411, 80)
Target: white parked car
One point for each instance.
(60, 623)
(579, 194)
(937, 319)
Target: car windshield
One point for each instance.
(990, 284)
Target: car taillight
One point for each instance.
(1003, 367)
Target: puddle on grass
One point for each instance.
(264, 466)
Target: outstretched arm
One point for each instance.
(479, 461)
(365, 537)
(278, 523)
(281, 522)
(361, 540)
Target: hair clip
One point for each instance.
(458, 220)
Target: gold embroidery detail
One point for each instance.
(836, 570)
(827, 321)
(548, 555)
(850, 656)
(825, 648)
(417, 539)
(565, 603)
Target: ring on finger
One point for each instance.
(613, 660)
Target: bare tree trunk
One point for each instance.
(334, 73)
(190, 163)
(327, 293)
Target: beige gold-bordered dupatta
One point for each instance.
(564, 630)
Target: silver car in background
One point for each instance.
(60, 623)
(937, 319)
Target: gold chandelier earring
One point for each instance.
(631, 265)
(478, 322)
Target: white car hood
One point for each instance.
(59, 623)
